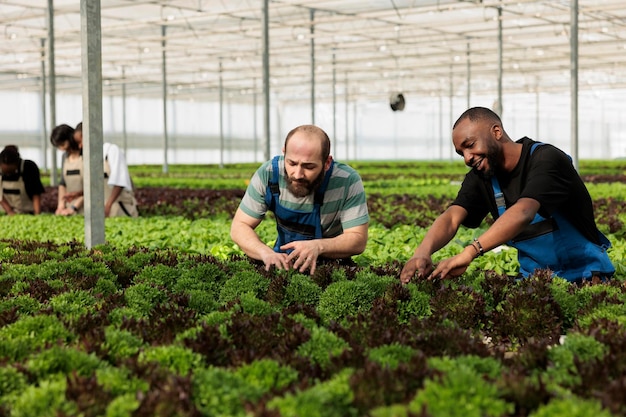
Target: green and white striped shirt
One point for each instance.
(344, 205)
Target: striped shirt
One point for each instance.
(344, 205)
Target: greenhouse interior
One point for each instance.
(208, 82)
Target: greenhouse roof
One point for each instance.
(371, 48)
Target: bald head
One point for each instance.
(479, 114)
(312, 133)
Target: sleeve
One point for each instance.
(32, 179)
(550, 179)
(253, 201)
(119, 169)
(355, 212)
(473, 197)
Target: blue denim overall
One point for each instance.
(291, 224)
(554, 243)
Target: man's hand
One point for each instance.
(278, 260)
(420, 266)
(455, 266)
(72, 196)
(303, 255)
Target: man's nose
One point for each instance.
(468, 158)
(298, 173)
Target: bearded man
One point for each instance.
(319, 205)
(539, 204)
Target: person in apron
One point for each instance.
(539, 204)
(20, 183)
(70, 192)
(319, 205)
(119, 198)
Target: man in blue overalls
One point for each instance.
(319, 205)
(538, 201)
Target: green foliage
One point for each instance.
(267, 375)
(121, 344)
(343, 299)
(252, 305)
(584, 348)
(177, 359)
(395, 410)
(62, 361)
(322, 345)
(30, 333)
(143, 297)
(219, 392)
(564, 294)
(202, 301)
(158, 275)
(119, 381)
(73, 304)
(24, 304)
(118, 315)
(123, 406)
(461, 392)
(301, 289)
(11, 381)
(331, 398)
(571, 407)
(241, 282)
(488, 366)
(44, 400)
(417, 306)
(391, 355)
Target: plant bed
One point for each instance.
(151, 332)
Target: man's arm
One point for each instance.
(304, 253)
(505, 228)
(440, 233)
(7, 208)
(115, 193)
(37, 204)
(243, 234)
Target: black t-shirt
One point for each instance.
(547, 176)
(32, 178)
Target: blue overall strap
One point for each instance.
(273, 189)
(497, 191)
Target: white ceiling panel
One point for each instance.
(378, 46)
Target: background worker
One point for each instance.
(70, 191)
(119, 197)
(319, 205)
(20, 183)
(538, 201)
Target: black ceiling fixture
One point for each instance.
(396, 101)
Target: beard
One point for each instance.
(302, 188)
(494, 160)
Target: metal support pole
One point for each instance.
(574, 81)
(91, 63)
(221, 116)
(498, 108)
(164, 74)
(334, 97)
(54, 179)
(124, 132)
(255, 123)
(469, 75)
(44, 131)
(312, 19)
(347, 118)
(266, 78)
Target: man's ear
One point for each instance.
(496, 130)
(329, 160)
